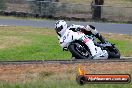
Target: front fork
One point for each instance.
(90, 44)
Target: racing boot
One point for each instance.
(101, 38)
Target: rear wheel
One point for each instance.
(80, 51)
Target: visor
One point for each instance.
(59, 29)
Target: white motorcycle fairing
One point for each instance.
(70, 36)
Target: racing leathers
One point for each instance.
(96, 52)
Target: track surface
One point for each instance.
(125, 59)
(101, 27)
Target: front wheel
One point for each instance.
(79, 51)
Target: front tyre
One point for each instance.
(79, 51)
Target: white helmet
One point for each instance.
(60, 26)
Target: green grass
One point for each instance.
(124, 47)
(59, 81)
(62, 84)
(27, 43)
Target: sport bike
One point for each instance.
(73, 41)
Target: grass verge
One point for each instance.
(59, 81)
(27, 43)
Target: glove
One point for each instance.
(92, 29)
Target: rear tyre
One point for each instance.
(113, 52)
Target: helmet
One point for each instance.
(60, 26)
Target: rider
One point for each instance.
(97, 53)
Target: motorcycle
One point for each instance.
(73, 41)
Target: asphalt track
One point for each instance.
(123, 59)
(101, 27)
